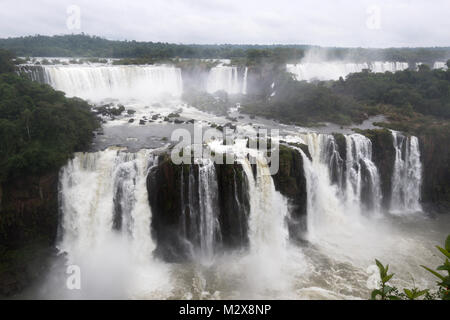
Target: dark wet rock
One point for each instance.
(28, 229)
(173, 194)
(131, 120)
(230, 125)
(108, 110)
(231, 119)
(383, 155)
(435, 158)
(142, 122)
(291, 182)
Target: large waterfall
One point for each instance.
(105, 191)
(105, 223)
(407, 176)
(140, 226)
(332, 70)
(117, 82)
(228, 79)
(339, 192)
(108, 213)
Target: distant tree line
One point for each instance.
(81, 45)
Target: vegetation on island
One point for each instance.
(418, 95)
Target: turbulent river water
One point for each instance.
(346, 226)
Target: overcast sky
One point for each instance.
(376, 23)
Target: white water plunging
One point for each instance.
(96, 190)
(332, 70)
(325, 211)
(244, 84)
(358, 182)
(407, 176)
(362, 175)
(227, 79)
(116, 82)
(209, 228)
(440, 65)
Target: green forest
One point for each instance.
(414, 95)
(39, 127)
(82, 45)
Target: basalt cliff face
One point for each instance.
(181, 195)
(28, 224)
(435, 153)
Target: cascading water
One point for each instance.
(357, 177)
(116, 82)
(407, 176)
(332, 70)
(362, 178)
(268, 233)
(209, 228)
(105, 221)
(244, 81)
(106, 218)
(440, 65)
(227, 79)
(384, 66)
(325, 209)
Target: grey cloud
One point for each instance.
(319, 22)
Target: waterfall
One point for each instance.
(103, 191)
(268, 209)
(116, 82)
(362, 178)
(384, 66)
(407, 176)
(440, 65)
(325, 208)
(244, 84)
(332, 70)
(265, 264)
(227, 79)
(96, 191)
(209, 228)
(356, 179)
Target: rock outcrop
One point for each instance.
(28, 229)
(435, 158)
(291, 182)
(173, 194)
